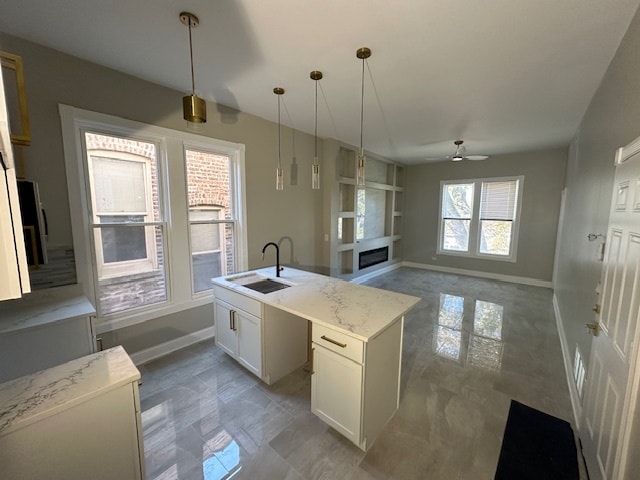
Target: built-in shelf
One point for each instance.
(369, 216)
(399, 176)
(345, 230)
(347, 197)
(397, 225)
(345, 262)
(347, 164)
(397, 250)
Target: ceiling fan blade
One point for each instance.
(477, 157)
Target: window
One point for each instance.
(480, 218)
(127, 221)
(151, 208)
(212, 216)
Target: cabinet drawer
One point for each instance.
(338, 342)
(239, 301)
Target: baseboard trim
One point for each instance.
(375, 273)
(534, 282)
(568, 366)
(157, 351)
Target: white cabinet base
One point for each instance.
(267, 341)
(357, 399)
(75, 421)
(336, 392)
(96, 439)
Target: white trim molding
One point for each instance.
(576, 403)
(157, 351)
(534, 282)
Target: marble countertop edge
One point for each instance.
(325, 300)
(29, 399)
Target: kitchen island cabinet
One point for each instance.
(268, 342)
(356, 343)
(241, 337)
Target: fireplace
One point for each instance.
(373, 257)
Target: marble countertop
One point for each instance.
(44, 306)
(358, 310)
(28, 399)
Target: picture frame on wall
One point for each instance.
(16, 98)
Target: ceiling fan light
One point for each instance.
(457, 158)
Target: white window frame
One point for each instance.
(474, 227)
(236, 178)
(129, 267)
(172, 184)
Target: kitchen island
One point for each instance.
(356, 334)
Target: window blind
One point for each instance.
(498, 200)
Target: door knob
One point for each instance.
(594, 328)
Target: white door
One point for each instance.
(226, 337)
(608, 404)
(336, 386)
(249, 341)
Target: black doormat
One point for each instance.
(536, 446)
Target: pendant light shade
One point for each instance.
(315, 167)
(279, 176)
(194, 108)
(362, 53)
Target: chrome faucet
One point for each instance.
(278, 267)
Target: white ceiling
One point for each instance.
(504, 75)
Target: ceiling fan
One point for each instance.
(459, 154)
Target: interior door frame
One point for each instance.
(633, 380)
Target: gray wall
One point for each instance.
(52, 78)
(544, 178)
(611, 121)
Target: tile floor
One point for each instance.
(470, 346)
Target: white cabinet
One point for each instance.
(355, 384)
(336, 391)
(74, 421)
(13, 259)
(43, 329)
(238, 334)
(269, 342)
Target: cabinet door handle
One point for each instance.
(230, 319)
(335, 342)
(313, 353)
(234, 321)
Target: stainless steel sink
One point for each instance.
(266, 286)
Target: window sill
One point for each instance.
(130, 277)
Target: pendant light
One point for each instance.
(194, 108)
(362, 53)
(279, 178)
(315, 167)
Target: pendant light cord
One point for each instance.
(315, 132)
(193, 83)
(362, 107)
(279, 161)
